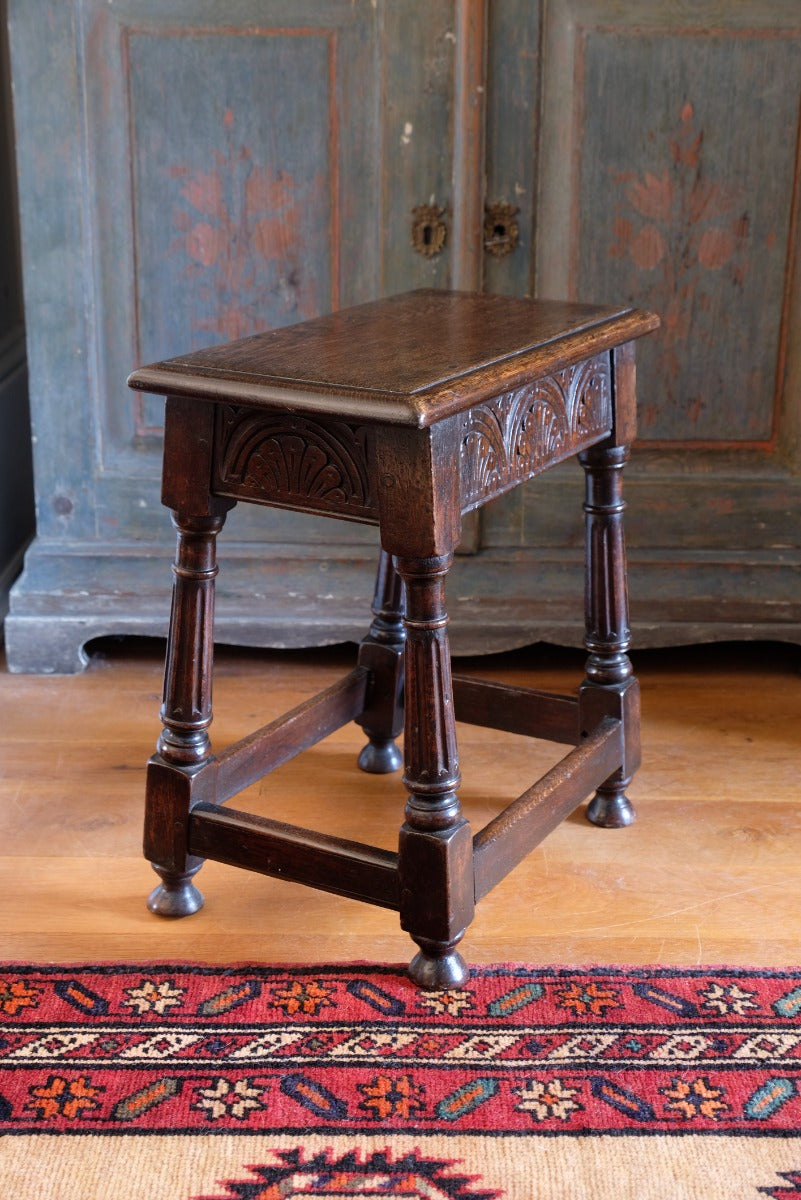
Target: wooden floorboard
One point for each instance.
(709, 873)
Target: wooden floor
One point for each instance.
(710, 872)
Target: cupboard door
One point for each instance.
(195, 172)
(259, 183)
(668, 179)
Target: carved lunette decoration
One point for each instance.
(514, 436)
(293, 462)
(322, 467)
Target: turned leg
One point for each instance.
(610, 688)
(381, 652)
(436, 847)
(184, 746)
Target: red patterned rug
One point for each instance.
(275, 1083)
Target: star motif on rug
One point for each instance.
(451, 1001)
(728, 999)
(16, 996)
(544, 1099)
(225, 1099)
(588, 999)
(150, 996)
(387, 1097)
(695, 1098)
(307, 998)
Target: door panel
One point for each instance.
(191, 172)
(669, 179)
(221, 160)
(245, 175)
(691, 211)
(670, 172)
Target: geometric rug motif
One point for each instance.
(192, 1049)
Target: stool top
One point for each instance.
(411, 359)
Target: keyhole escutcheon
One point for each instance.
(429, 230)
(501, 232)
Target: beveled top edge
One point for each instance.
(411, 359)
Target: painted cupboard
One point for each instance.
(191, 171)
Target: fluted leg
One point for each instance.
(436, 849)
(381, 652)
(184, 745)
(610, 688)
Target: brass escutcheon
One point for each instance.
(428, 229)
(501, 233)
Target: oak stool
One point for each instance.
(406, 413)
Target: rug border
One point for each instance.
(552, 971)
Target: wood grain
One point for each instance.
(710, 872)
(468, 347)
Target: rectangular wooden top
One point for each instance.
(411, 359)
